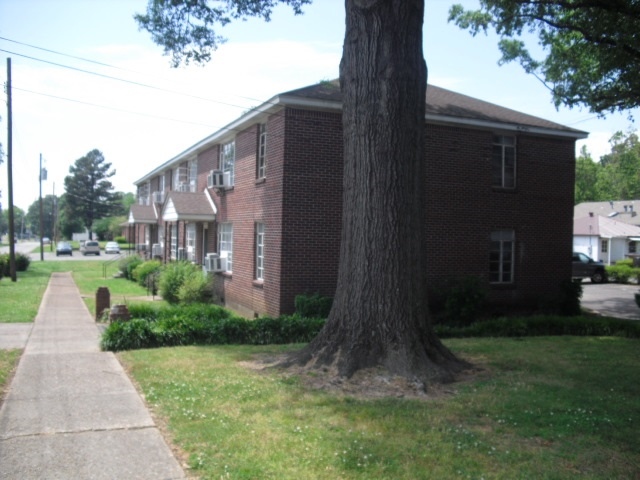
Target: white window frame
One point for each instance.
(174, 241)
(225, 244)
(261, 166)
(259, 251)
(191, 241)
(228, 160)
(503, 161)
(502, 256)
(193, 174)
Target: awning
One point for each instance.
(634, 239)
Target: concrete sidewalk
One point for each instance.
(71, 411)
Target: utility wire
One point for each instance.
(132, 82)
(112, 108)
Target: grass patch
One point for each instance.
(8, 362)
(21, 299)
(548, 407)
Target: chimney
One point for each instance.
(591, 214)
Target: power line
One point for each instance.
(112, 108)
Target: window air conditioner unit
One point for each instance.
(141, 247)
(182, 254)
(213, 263)
(156, 250)
(158, 197)
(215, 179)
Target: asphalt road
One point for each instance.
(50, 253)
(611, 299)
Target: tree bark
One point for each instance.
(379, 315)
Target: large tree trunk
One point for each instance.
(379, 315)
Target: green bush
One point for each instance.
(566, 302)
(120, 240)
(622, 271)
(128, 264)
(204, 324)
(196, 288)
(4, 261)
(313, 306)
(22, 262)
(173, 276)
(144, 269)
(543, 325)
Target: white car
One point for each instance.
(112, 247)
(90, 247)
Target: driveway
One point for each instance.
(611, 299)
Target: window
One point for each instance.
(191, 242)
(225, 243)
(632, 247)
(193, 175)
(259, 251)
(503, 162)
(143, 194)
(161, 183)
(501, 256)
(604, 245)
(262, 151)
(181, 178)
(228, 160)
(174, 240)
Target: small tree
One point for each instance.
(89, 192)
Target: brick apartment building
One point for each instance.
(258, 203)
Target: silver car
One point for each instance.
(90, 247)
(112, 247)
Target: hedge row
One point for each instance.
(544, 325)
(166, 329)
(212, 325)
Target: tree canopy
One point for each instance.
(615, 177)
(188, 29)
(592, 47)
(89, 195)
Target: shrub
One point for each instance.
(128, 264)
(195, 288)
(22, 262)
(622, 271)
(203, 324)
(120, 240)
(144, 269)
(313, 306)
(543, 325)
(566, 302)
(171, 279)
(4, 259)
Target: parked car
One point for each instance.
(90, 247)
(586, 267)
(112, 247)
(64, 248)
(46, 240)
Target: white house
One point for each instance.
(605, 238)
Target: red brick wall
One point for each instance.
(463, 209)
(300, 204)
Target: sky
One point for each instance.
(85, 77)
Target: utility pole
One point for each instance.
(41, 221)
(12, 233)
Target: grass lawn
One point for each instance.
(553, 408)
(541, 408)
(20, 300)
